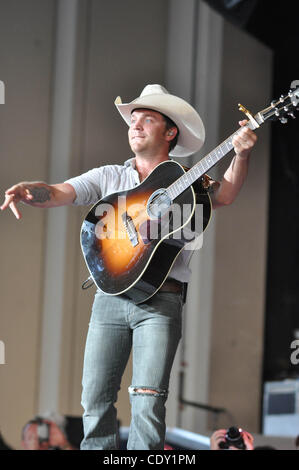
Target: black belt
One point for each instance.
(172, 285)
(177, 287)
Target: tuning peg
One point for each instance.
(283, 120)
(292, 115)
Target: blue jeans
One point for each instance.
(153, 330)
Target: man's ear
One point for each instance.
(171, 133)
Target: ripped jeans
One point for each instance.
(153, 330)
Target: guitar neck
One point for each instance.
(279, 109)
(201, 168)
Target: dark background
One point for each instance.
(276, 25)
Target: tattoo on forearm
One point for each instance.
(40, 194)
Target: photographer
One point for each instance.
(231, 439)
(44, 434)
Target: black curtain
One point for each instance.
(282, 295)
(276, 25)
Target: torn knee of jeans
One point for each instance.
(149, 391)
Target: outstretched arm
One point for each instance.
(235, 175)
(38, 194)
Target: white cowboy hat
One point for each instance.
(157, 98)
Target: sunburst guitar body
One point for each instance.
(131, 239)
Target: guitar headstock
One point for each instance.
(283, 108)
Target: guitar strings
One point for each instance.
(172, 185)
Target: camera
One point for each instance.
(233, 438)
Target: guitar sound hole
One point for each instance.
(158, 204)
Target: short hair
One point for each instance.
(169, 124)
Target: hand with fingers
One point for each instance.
(248, 440)
(30, 193)
(244, 140)
(217, 437)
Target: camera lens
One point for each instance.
(234, 438)
(233, 433)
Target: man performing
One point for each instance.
(160, 125)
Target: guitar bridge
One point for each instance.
(130, 228)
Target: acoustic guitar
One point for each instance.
(131, 239)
